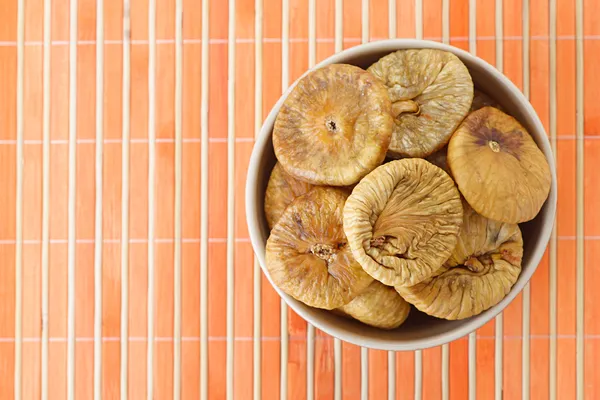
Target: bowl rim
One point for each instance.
(468, 325)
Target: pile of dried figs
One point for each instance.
(399, 185)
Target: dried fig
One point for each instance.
(307, 255)
(480, 272)
(379, 306)
(431, 92)
(482, 99)
(402, 221)
(498, 167)
(334, 127)
(282, 189)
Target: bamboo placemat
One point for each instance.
(122, 212)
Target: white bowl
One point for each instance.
(419, 331)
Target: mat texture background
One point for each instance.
(125, 265)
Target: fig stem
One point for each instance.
(377, 241)
(405, 106)
(479, 264)
(474, 264)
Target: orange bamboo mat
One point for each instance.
(79, 250)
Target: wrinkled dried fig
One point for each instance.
(402, 221)
(307, 255)
(431, 92)
(334, 127)
(480, 272)
(282, 189)
(498, 167)
(482, 99)
(379, 306)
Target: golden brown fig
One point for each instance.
(482, 99)
(431, 92)
(402, 221)
(481, 271)
(282, 189)
(307, 255)
(498, 167)
(334, 127)
(379, 306)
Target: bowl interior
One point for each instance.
(420, 331)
